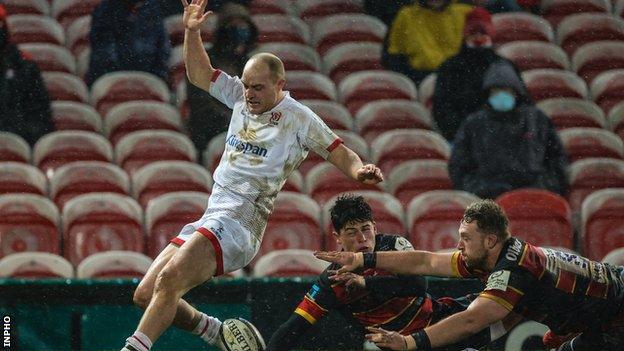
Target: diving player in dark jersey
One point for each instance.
(372, 297)
(575, 297)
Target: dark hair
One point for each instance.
(350, 208)
(490, 217)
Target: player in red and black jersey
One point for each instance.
(371, 297)
(580, 300)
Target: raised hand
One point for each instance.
(345, 259)
(194, 14)
(388, 339)
(369, 174)
(352, 281)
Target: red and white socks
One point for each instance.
(208, 328)
(138, 341)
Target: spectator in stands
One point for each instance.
(128, 35)
(424, 35)
(385, 10)
(460, 78)
(24, 102)
(235, 37)
(498, 6)
(507, 144)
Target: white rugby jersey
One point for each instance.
(261, 151)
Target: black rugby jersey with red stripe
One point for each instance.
(567, 292)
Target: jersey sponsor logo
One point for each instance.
(402, 244)
(275, 118)
(557, 261)
(514, 250)
(245, 147)
(498, 280)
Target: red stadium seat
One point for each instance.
(554, 11)
(166, 214)
(362, 87)
(350, 139)
(607, 89)
(163, 177)
(131, 116)
(294, 182)
(576, 30)
(66, 11)
(116, 87)
(84, 177)
(381, 116)
(433, 218)
(271, 7)
(539, 217)
(591, 142)
(616, 119)
(594, 58)
(296, 57)
(294, 224)
(571, 113)
(288, 263)
(17, 177)
(602, 222)
(387, 211)
(35, 265)
(26, 7)
(28, 222)
(343, 28)
(310, 10)
(113, 264)
(50, 57)
(528, 55)
(139, 148)
(58, 148)
(325, 180)
(335, 115)
(426, 90)
(65, 87)
(281, 28)
(181, 99)
(412, 178)
(396, 146)
(70, 115)
(592, 174)
(14, 148)
(98, 222)
(35, 29)
(310, 85)
(515, 26)
(615, 257)
(77, 35)
(552, 83)
(346, 58)
(175, 29)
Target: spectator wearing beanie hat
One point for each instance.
(24, 101)
(459, 79)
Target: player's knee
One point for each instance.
(169, 281)
(143, 295)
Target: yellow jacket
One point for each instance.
(427, 37)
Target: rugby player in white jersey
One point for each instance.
(269, 135)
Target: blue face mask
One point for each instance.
(502, 101)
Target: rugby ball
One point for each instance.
(240, 335)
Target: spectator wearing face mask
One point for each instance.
(128, 35)
(424, 35)
(235, 37)
(508, 143)
(24, 100)
(460, 78)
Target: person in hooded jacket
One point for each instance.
(24, 101)
(128, 35)
(234, 38)
(460, 78)
(507, 144)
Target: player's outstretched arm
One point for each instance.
(350, 164)
(399, 262)
(199, 70)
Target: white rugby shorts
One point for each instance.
(231, 241)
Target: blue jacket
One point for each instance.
(123, 39)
